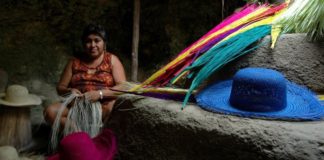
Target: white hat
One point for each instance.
(10, 153)
(18, 96)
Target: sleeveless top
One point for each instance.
(85, 78)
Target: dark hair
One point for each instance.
(94, 29)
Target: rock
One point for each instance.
(299, 60)
(149, 128)
(47, 92)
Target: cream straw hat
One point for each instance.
(18, 96)
(10, 153)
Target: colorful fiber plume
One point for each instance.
(227, 41)
(224, 43)
(235, 24)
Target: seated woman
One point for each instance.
(91, 75)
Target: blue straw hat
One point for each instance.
(261, 93)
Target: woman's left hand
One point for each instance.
(92, 96)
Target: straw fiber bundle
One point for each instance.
(15, 126)
(304, 16)
(235, 36)
(83, 116)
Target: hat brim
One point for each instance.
(301, 103)
(32, 100)
(103, 146)
(10, 152)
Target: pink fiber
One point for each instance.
(236, 16)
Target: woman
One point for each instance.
(90, 75)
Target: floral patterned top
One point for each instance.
(85, 78)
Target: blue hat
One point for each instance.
(261, 93)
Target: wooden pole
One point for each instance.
(136, 21)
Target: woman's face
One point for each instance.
(94, 46)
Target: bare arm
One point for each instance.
(119, 76)
(118, 70)
(63, 85)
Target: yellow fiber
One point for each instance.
(321, 97)
(275, 32)
(233, 25)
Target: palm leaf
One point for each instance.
(304, 16)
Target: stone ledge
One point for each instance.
(149, 128)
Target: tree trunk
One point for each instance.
(136, 20)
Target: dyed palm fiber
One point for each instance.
(222, 44)
(265, 21)
(223, 53)
(276, 30)
(245, 11)
(156, 92)
(228, 49)
(161, 93)
(239, 20)
(160, 75)
(321, 97)
(83, 116)
(167, 90)
(304, 16)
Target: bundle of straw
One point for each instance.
(223, 53)
(224, 43)
(228, 28)
(169, 93)
(83, 116)
(304, 16)
(15, 127)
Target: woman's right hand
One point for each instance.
(75, 91)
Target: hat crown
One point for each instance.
(262, 93)
(259, 90)
(16, 93)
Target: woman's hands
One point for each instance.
(92, 96)
(75, 91)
